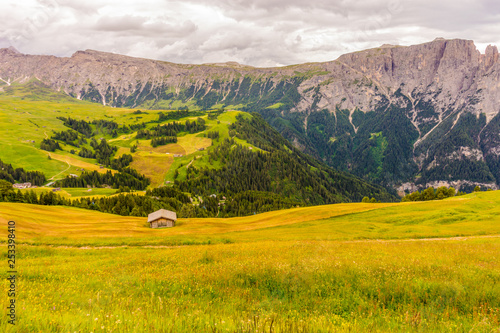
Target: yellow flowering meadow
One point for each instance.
(429, 271)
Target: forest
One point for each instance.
(125, 177)
(130, 204)
(8, 173)
(167, 133)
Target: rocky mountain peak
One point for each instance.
(490, 56)
(11, 50)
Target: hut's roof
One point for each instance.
(162, 213)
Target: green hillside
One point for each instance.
(229, 163)
(30, 114)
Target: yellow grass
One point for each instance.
(57, 221)
(475, 214)
(191, 143)
(78, 163)
(154, 166)
(123, 137)
(122, 150)
(172, 148)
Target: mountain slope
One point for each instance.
(227, 163)
(424, 114)
(276, 166)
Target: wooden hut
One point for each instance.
(162, 219)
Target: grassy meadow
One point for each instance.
(399, 267)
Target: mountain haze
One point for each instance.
(402, 116)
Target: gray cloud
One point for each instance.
(143, 26)
(258, 32)
(120, 23)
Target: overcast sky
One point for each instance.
(253, 32)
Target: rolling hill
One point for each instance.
(474, 214)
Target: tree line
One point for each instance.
(162, 117)
(245, 203)
(8, 173)
(96, 126)
(49, 145)
(69, 137)
(430, 193)
(167, 133)
(125, 177)
(103, 151)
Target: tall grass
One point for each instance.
(336, 268)
(442, 286)
(474, 214)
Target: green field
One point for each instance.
(75, 192)
(28, 114)
(400, 267)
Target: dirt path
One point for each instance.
(69, 166)
(108, 247)
(461, 238)
(8, 82)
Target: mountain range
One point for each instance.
(405, 117)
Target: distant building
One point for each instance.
(162, 219)
(56, 189)
(21, 185)
(73, 175)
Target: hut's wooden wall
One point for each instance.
(162, 223)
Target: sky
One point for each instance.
(262, 33)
